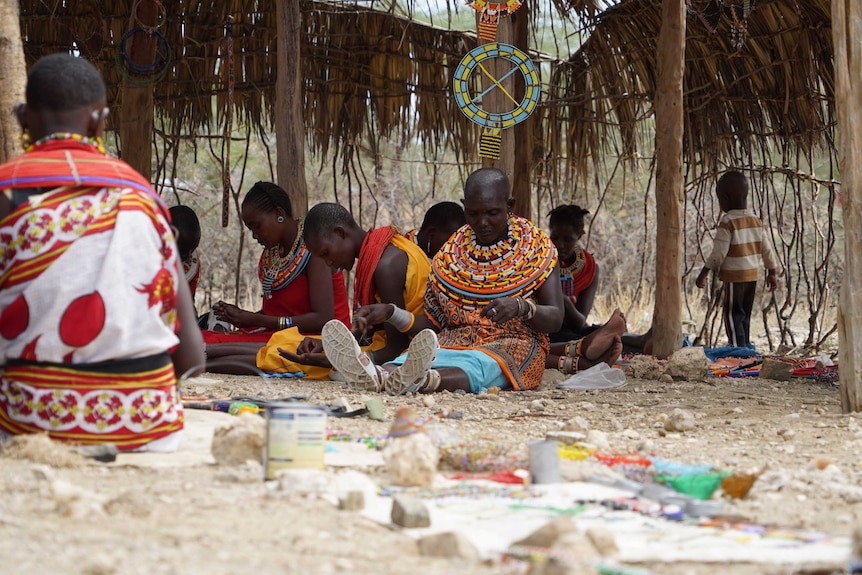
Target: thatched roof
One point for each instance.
(366, 72)
(376, 73)
(772, 89)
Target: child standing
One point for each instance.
(739, 243)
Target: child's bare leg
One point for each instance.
(451, 378)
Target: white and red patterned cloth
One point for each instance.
(88, 315)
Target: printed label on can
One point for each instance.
(295, 437)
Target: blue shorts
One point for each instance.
(481, 369)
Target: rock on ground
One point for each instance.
(240, 440)
(448, 544)
(776, 369)
(409, 512)
(548, 534)
(412, 460)
(680, 420)
(39, 448)
(644, 367)
(687, 364)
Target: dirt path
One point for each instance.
(208, 519)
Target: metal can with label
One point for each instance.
(295, 437)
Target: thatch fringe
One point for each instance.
(367, 73)
(776, 89)
(371, 74)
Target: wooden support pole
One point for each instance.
(522, 134)
(669, 188)
(13, 78)
(496, 101)
(136, 109)
(847, 42)
(289, 124)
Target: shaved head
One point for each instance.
(486, 181)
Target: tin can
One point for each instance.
(295, 437)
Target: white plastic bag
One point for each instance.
(600, 376)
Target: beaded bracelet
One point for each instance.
(519, 300)
(285, 323)
(532, 311)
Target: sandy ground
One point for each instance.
(210, 519)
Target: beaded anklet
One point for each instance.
(567, 365)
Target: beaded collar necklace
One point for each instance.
(277, 271)
(576, 265)
(84, 141)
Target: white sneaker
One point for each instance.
(413, 373)
(345, 355)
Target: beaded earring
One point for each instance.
(280, 219)
(25, 138)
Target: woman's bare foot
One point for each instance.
(612, 354)
(596, 345)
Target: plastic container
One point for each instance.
(544, 461)
(295, 437)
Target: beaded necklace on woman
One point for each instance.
(275, 270)
(576, 265)
(474, 274)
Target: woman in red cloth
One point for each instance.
(579, 277)
(300, 292)
(579, 272)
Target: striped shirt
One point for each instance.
(740, 242)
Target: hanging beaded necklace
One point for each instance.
(84, 141)
(474, 274)
(276, 271)
(576, 265)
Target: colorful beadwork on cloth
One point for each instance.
(490, 14)
(276, 271)
(474, 275)
(463, 490)
(482, 456)
(95, 143)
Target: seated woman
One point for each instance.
(96, 320)
(493, 296)
(579, 278)
(287, 272)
